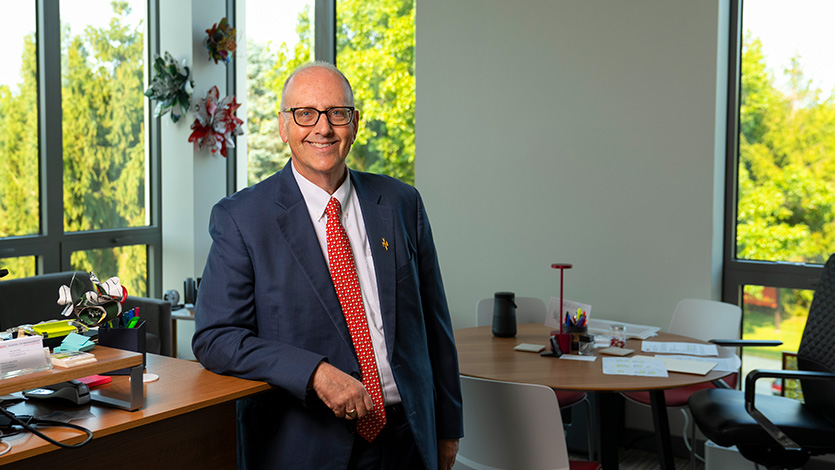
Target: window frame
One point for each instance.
(737, 273)
(52, 247)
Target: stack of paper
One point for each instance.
(601, 327)
(71, 358)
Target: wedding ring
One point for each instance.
(352, 414)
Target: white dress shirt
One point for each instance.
(316, 200)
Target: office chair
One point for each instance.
(704, 320)
(533, 310)
(780, 432)
(510, 425)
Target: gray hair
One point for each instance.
(349, 92)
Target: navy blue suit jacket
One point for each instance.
(267, 310)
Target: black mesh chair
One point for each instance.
(780, 432)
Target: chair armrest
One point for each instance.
(735, 343)
(750, 394)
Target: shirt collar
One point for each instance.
(317, 198)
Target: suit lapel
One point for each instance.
(294, 225)
(379, 226)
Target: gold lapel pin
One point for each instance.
(385, 244)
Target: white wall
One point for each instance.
(617, 168)
(192, 180)
(585, 132)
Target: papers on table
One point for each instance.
(687, 367)
(601, 327)
(23, 356)
(528, 347)
(726, 364)
(576, 357)
(639, 365)
(693, 349)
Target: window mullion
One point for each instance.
(50, 133)
(324, 42)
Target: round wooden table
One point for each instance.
(480, 354)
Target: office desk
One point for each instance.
(480, 354)
(188, 421)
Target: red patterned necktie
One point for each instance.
(344, 275)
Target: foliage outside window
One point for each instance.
(105, 182)
(270, 57)
(19, 165)
(104, 135)
(786, 209)
(785, 206)
(375, 49)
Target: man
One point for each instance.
(278, 302)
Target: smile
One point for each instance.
(321, 145)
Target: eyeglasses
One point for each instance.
(308, 117)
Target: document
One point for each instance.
(687, 367)
(602, 327)
(553, 318)
(692, 349)
(22, 356)
(726, 364)
(639, 365)
(575, 357)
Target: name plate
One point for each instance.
(23, 356)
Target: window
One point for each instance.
(81, 192)
(373, 43)
(375, 48)
(273, 51)
(19, 191)
(780, 225)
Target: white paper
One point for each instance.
(22, 355)
(552, 320)
(602, 327)
(528, 347)
(726, 364)
(641, 366)
(687, 367)
(575, 357)
(692, 349)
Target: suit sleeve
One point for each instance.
(226, 331)
(443, 355)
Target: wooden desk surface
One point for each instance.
(108, 359)
(183, 386)
(480, 354)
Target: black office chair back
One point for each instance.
(818, 342)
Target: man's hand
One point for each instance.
(340, 392)
(447, 450)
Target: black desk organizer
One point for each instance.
(128, 339)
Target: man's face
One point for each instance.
(319, 151)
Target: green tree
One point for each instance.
(786, 195)
(103, 146)
(266, 153)
(376, 51)
(104, 142)
(786, 199)
(19, 195)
